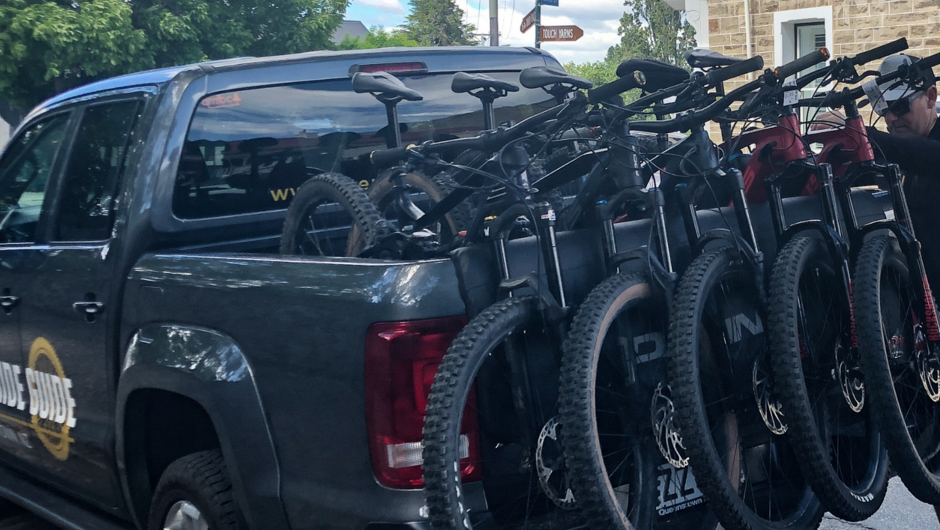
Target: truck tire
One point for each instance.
(312, 212)
(193, 489)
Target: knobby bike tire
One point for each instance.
(356, 223)
(887, 312)
(841, 451)
(472, 387)
(383, 194)
(613, 369)
(716, 336)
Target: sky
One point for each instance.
(598, 18)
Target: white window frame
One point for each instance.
(785, 33)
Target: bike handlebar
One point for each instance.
(628, 82)
(714, 77)
(695, 117)
(881, 51)
(793, 67)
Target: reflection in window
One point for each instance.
(248, 151)
(24, 175)
(91, 180)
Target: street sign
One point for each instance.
(561, 33)
(553, 3)
(528, 21)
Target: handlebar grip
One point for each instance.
(793, 67)
(723, 74)
(635, 80)
(930, 61)
(881, 51)
(388, 156)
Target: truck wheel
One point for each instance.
(195, 493)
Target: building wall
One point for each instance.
(857, 25)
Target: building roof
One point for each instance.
(353, 28)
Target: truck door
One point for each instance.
(27, 167)
(69, 307)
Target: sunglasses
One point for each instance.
(900, 107)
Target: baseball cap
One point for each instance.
(891, 93)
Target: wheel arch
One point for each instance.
(185, 389)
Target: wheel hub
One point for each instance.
(551, 468)
(184, 515)
(668, 439)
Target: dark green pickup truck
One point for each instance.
(160, 365)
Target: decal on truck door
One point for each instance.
(42, 388)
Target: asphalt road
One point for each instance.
(900, 511)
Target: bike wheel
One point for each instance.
(330, 216)
(481, 438)
(424, 193)
(818, 379)
(749, 475)
(901, 373)
(615, 407)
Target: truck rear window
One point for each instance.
(248, 151)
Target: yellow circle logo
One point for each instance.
(51, 404)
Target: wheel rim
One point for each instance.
(184, 515)
(325, 231)
(761, 466)
(909, 359)
(834, 382)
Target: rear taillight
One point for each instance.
(400, 363)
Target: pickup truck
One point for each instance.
(160, 365)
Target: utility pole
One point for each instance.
(538, 23)
(494, 23)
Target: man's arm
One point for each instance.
(914, 154)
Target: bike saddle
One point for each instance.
(543, 76)
(659, 75)
(383, 86)
(464, 82)
(701, 58)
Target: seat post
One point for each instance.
(393, 139)
(489, 117)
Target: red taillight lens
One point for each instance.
(400, 363)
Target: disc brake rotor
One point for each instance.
(668, 439)
(767, 403)
(849, 372)
(551, 468)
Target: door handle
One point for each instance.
(87, 308)
(8, 302)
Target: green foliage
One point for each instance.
(47, 46)
(377, 38)
(438, 23)
(598, 72)
(650, 29)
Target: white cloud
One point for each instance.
(389, 6)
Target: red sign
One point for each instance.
(528, 21)
(561, 33)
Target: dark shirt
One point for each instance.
(919, 157)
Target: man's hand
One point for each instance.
(828, 120)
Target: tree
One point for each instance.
(49, 46)
(650, 29)
(597, 72)
(438, 23)
(377, 38)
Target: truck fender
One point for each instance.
(210, 369)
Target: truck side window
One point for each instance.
(92, 177)
(24, 174)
